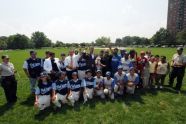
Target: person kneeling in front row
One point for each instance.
(109, 85)
(99, 84)
(43, 92)
(89, 85)
(75, 86)
(60, 89)
(132, 80)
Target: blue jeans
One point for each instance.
(33, 82)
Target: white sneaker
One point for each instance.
(156, 87)
(161, 87)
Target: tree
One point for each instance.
(132, 40)
(3, 42)
(118, 42)
(3, 45)
(162, 36)
(59, 44)
(40, 40)
(18, 41)
(181, 37)
(102, 41)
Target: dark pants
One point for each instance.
(140, 84)
(69, 74)
(160, 79)
(152, 78)
(177, 72)
(9, 85)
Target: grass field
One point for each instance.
(147, 106)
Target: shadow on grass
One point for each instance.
(29, 101)
(4, 108)
(41, 115)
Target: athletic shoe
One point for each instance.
(156, 87)
(161, 87)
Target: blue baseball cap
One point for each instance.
(74, 73)
(131, 68)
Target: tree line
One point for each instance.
(39, 40)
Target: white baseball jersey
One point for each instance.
(108, 83)
(119, 77)
(99, 80)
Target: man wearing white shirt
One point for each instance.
(71, 64)
(178, 69)
(52, 66)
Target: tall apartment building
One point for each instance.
(176, 20)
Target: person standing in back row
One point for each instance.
(9, 82)
(178, 69)
(71, 64)
(52, 66)
(32, 68)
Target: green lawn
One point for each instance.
(147, 106)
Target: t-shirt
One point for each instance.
(82, 64)
(90, 83)
(152, 66)
(116, 61)
(75, 85)
(61, 87)
(7, 69)
(109, 83)
(118, 77)
(135, 78)
(99, 80)
(141, 63)
(34, 66)
(44, 88)
(126, 64)
(178, 59)
(162, 68)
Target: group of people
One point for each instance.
(110, 73)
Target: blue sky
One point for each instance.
(83, 20)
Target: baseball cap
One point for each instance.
(108, 73)
(43, 74)
(120, 67)
(88, 71)
(131, 68)
(180, 49)
(5, 57)
(98, 71)
(74, 73)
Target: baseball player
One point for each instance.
(109, 84)
(75, 86)
(89, 85)
(43, 92)
(132, 80)
(60, 89)
(99, 84)
(119, 80)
